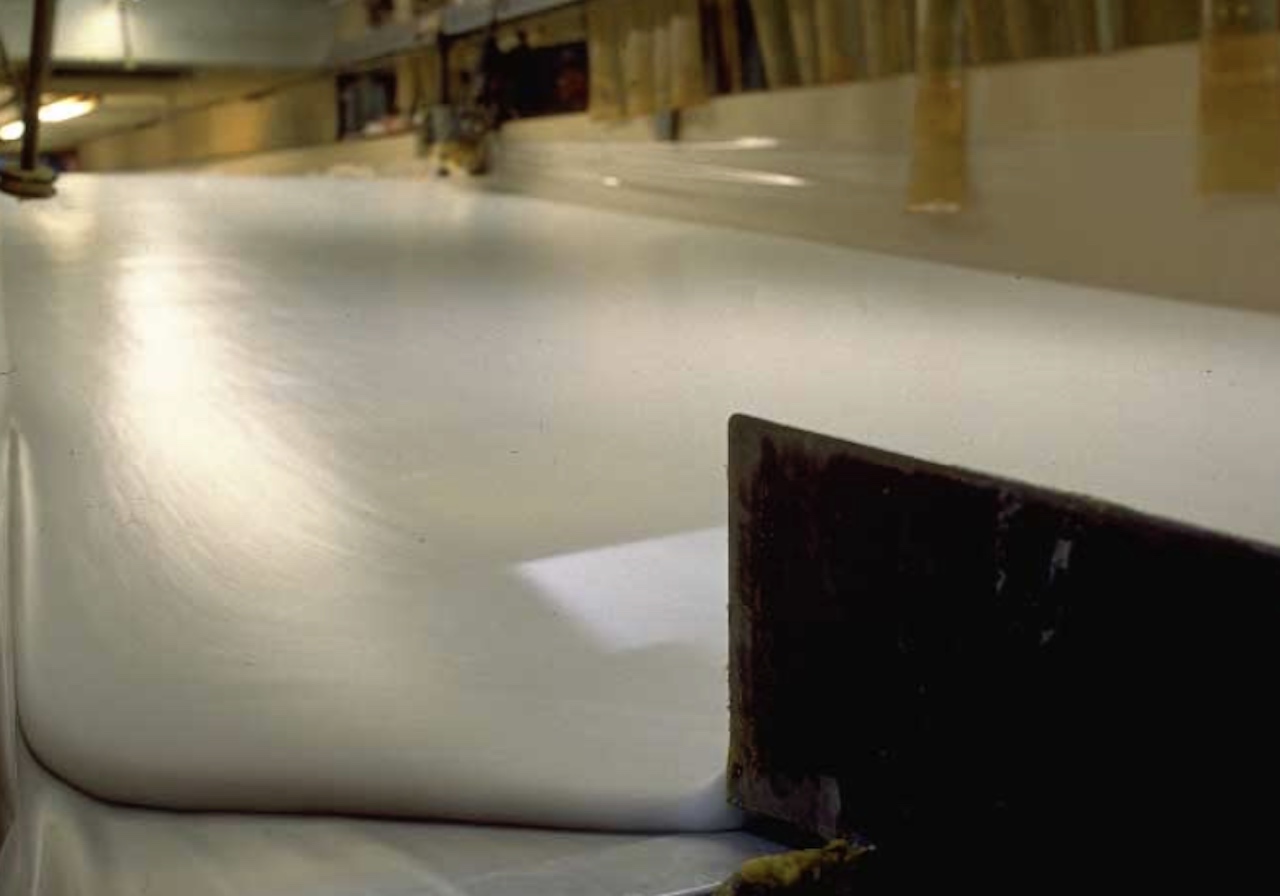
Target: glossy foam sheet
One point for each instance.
(375, 497)
(63, 843)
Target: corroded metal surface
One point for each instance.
(946, 662)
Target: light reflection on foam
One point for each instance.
(765, 178)
(664, 590)
(210, 450)
(738, 143)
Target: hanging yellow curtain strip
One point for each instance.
(836, 31)
(408, 90)
(730, 42)
(872, 26)
(902, 36)
(662, 11)
(1239, 98)
(1108, 23)
(939, 158)
(804, 38)
(688, 71)
(1021, 28)
(646, 56)
(773, 31)
(985, 32)
(888, 36)
(637, 59)
(1003, 30)
(1150, 22)
(1082, 26)
(421, 75)
(604, 47)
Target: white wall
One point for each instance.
(301, 114)
(381, 157)
(1082, 170)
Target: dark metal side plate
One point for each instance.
(976, 673)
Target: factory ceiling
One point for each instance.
(144, 59)
(192, 33)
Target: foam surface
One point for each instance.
(382, 498)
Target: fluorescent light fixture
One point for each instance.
(51, 113)
(67, 109)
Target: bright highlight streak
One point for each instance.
(51, 113)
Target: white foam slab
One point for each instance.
(377, 497)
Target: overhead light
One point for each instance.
(51, 113)
(67, 109)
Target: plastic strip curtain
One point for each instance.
(1239, 97)
(637, 57)
(887, 28)
(804, 34)
(824, 37)
(418, 81)
(773, 31)
(730, 43)
(836, 25)
(646, 56)
(688, 76)
(1008, 30)
(604, 47)
(1005, 30)
(805, 42)
(939, 175)
(661, 11)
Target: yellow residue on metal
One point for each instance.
(805, 871)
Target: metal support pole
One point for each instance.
(37, 72)
(28, 180)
